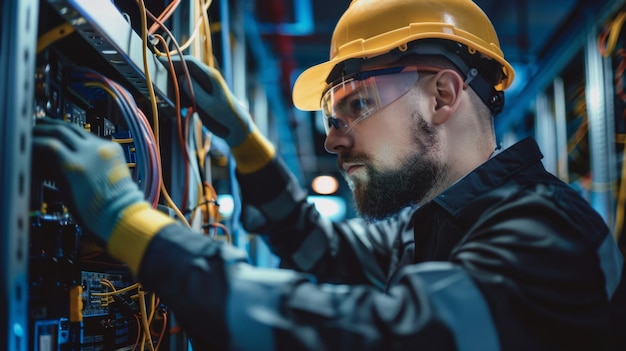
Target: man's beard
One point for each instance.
(390, 190)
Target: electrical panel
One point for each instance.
(95, 67)
(79, 298)
(104, 66)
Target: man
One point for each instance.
(487, 252)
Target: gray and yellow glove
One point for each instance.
(97, 185)
(224, 115)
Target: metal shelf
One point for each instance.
(106, 30)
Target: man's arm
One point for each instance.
(274, 204)
(222, 301)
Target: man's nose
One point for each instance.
(337, 140)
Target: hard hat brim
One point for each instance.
(309, 86)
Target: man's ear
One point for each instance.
(449, 85)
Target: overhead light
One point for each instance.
(325, 184)
(227, 205)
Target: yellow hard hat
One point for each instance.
(371, 28)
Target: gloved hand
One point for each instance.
(223, 114)
(93, 171)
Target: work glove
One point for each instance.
(223, 114)
(91, 169)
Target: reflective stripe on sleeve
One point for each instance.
(460, 305)
(281, 206)
(611, 262)
(252, 309)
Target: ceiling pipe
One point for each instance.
(302, 25)
(270, 75)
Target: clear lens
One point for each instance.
(354, 99)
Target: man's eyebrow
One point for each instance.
(344, 100)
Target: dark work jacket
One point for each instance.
(507, 258)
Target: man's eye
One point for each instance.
(359, 105)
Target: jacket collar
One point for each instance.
(489, 175)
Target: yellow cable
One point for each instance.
(144, 319)
(118, 291)
(615, 29)
(123, 140)
(56, 33)
(199, 185)
(196, 43)
(107, 283)
(155, 112)
(144, 39)
(153, 309)
(621, 199)
(205, 26)
(207, 53)
(201, 153)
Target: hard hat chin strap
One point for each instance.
(457, 53)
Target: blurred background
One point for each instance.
(567, 56)
(103, 65)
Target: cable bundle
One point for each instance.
(148, 174)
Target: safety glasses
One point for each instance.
(362, 94)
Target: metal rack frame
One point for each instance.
(17, 57)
